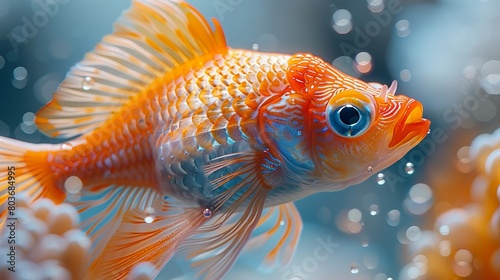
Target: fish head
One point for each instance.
(359, 133)
(350, 129)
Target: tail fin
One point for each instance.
(24, 169)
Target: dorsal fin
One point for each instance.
(149, 40)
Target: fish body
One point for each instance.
(184, 143)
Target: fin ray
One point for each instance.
(150, 40)
(277, 235)
(137, 241)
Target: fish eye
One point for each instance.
(349, 120)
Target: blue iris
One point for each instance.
(349, 120)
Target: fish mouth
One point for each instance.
(410, 125)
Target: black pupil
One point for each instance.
(349, 115)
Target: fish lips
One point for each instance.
(411, 125)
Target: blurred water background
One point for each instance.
(445, 53)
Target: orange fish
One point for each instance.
(184, 144)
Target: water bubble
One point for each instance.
(413, 233)
(342, 21)
(282, 223)
(405, 75)
(463, 256)
(149, 219)
(73, 185)
(370, 261)
(354, 268)
(29, 118)
(413, 272)
(373, 209)
(87, 83)
(255, 47)
(444, 248)
(363, 62)
(420, 193)
(149, 210)
(463, 259)
(364, 241)
(444, 230)
(347, 65)
(45, 86)
(409, 168)
(403, 28)
(28, 129)
(419, 199)
(380, 276)
(369, 169)
(207, 213)
(393, 217)
(380, 179)
(354, 215)
(20, 73)
(375, 6)
(469, 72)
(491, 84)
(19, 84)
(490, 72)
(299, 132)
(66, 146)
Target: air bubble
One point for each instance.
(87, 83)
(29, 118)
(403, 28)
(444, 248)
(393, 217)
(354, 268)
(149, 210)
(66, 146)
(413, 233)
(369, 169)
(409, 168)
(73, 185)
(363, 62)
(373, 209)
(342, 21)
(375, 6)
(444, 230)
(255, 47)
(405, 75)
(207, 213)
(20, 73)
(354, 215)
(149, 219)
(420, 193)
(380, 179)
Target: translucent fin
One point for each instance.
(24, 169)
(275, 238)
(150, 40)
(101, 213)
(140, 240)
(214, 248)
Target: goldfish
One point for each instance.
(177, 143)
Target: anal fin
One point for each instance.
(139, 239)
